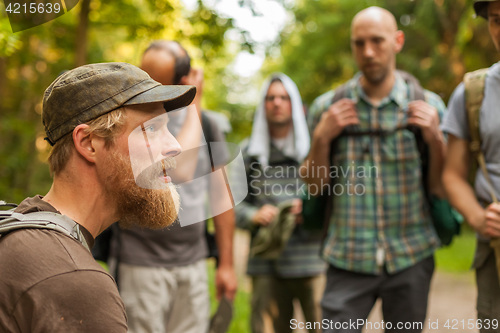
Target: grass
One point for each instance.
(458, 256)
(241, 305)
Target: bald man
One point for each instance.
(380, 241)
(163, 273)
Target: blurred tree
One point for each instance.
(442, 39)
(96, 31)
(82, 34)
(8, 45)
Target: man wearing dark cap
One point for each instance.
(477, 203)
(101, 120)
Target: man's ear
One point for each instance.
(84, 142)
(400, 41)
(184, 80)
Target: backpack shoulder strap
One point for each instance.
(206, 125)
(474, 84)
(416, 90)
(340, 92)
(10, 221)
(209, 136)
(416, 93)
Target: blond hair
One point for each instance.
(107, 126)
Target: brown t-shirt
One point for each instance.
(49, 282)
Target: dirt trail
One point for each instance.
(452, 297)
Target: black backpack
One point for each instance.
(213, 251)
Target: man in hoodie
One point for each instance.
(273, 153)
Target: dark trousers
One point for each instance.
(273, 297)
(488, 292)
(349, 298)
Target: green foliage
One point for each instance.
(8, 41)
(458, 256)
(442, 43)
(315, 49)
(117, 31)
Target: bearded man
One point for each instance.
(110, 161)
(380, 243)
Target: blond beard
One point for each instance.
(137, 206)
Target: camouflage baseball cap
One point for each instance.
(481, 7)
(87, 92)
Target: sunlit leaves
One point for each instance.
(118, 31)
(443, 41)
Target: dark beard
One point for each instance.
(145, 208)
(376, 78)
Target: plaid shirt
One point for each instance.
(380, 217)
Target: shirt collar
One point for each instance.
(399, 93)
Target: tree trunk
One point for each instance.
(82, 35)
(3, 78)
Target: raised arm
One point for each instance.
(460, 192)
(315, 168)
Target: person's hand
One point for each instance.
(487, 223)
(265, 215)
(226, 283)
(297, 210)
(426, 117)
(338, 116)
(492, 221)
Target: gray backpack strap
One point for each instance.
(340, 92)
(416, 90)
(10, 221)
